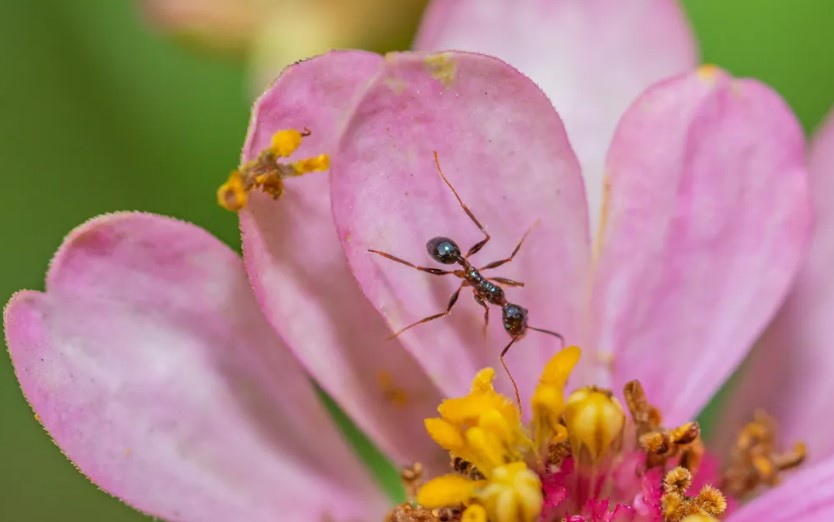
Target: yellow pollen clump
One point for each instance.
(596, 421)
(266, 173)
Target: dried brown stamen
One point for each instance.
(662, 445)
(646, 417)
(412, 478)
(677, 505)
(756, 459)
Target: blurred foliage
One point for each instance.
(101, 113)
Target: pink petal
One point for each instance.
(149, 363)
(301, 276)
(708, 219)
(790, 373)
(505, 150)
(805, 497)
(591, 57)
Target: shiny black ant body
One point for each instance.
(484, 289)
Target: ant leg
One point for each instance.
(505, 281)
(486, 312)
(480, 244)
(452, 301)
(510, 375)
(496, 264)
(435, 271)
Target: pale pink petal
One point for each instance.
(591, 57)
(504, 148)
(707, 221)
(149, 363)
(301, 276)
(805, 497)
(790, 372)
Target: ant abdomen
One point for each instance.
(444, 250)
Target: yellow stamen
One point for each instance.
(447, 490)
(285, 142)
(316, 164)
(445, 434)
(595, 422)
(266, 173)
(232, 194)
(548, 398)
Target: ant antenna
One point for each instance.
(510, 375)
(554, 334)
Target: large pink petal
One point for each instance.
(505, 150)
(707, 221)
(591, 57)
(790, 372)
(301, 276)
(149, 363)
(805, 497)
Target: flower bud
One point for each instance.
(595, 422)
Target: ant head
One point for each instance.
(444, 250)
(515, 319)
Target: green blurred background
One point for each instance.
(100, 112)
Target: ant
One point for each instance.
(484, 289)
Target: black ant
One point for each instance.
(484, 289)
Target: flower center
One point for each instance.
(266, 173)
(581, 459)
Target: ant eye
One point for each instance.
(444, 250)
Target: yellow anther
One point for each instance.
(548, 400)
(316, 164)
(232, 194)
(482, 383)
(447, 490)
(285, 142)
(558, 368)
(467, 410)
(474, 513)
(595, 422)
(486, 449)
(445, 434)
(493, 422)
(513, 494)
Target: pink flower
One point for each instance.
(154, 369)
(173, 375)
